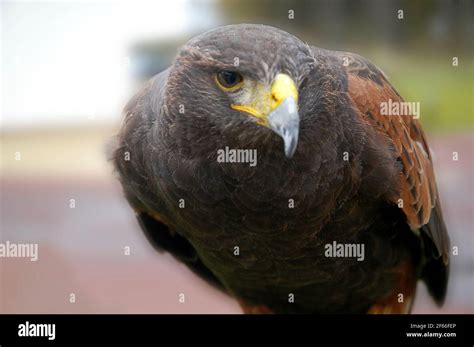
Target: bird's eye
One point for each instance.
(229, 80)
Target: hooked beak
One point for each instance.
(278, 111)
(285, 121)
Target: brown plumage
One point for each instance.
(354, 176)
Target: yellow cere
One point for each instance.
(282, 88)
(265, 102)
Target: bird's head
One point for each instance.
(242, 78)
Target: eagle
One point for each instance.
(335, 173)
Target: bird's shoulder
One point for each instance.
(369, 91)
(135, 150)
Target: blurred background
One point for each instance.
(67, 69)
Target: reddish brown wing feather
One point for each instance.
(368, 88)
(418, 187)
(254, 309)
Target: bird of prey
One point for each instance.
(334, 175)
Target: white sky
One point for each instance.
(66, 61)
